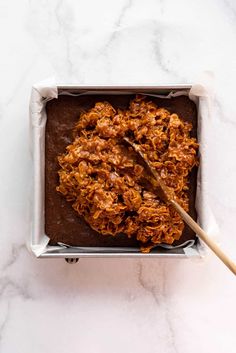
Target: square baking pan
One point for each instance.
(39, 241)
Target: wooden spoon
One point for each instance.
(169, 197)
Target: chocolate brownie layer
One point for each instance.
(62, 223)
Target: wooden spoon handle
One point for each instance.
(209, 242)
(168, 196)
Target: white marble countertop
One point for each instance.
(115, 305)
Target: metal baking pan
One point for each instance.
(38, 243)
